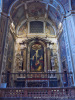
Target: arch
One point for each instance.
(12, 6)
(18, 27)
(56, 2)
(57, 13)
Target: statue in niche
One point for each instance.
(19, 61)
(52, 62)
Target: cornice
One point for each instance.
(71, 12)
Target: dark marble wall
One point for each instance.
(6, 5)
(10, 51)
(2, 36)
(63, 55)
(62, 47)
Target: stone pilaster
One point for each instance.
(3, 36)
(25, 59)
(48, 56)
(4, 30)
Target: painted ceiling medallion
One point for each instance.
(36, 9)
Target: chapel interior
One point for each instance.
(37, 43)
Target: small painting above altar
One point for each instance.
(37, 58)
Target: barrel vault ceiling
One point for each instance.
(24, 9)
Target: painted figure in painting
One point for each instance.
(37, 58)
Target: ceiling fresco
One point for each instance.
(65, 4)
(63, 1)
(24, 9)
(73, 4)
(54, 15)
(7, 3)
(18, 15)
(49, 29)
(36, 9)
(23, 29)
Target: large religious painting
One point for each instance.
(37, 58)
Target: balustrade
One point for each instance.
(38, 92)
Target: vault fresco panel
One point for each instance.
(36, 9)
(63, 1)
(54, 15)
(73, 4)
(49, 29)
(23, 29)
(62, 47)
(6, 5)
